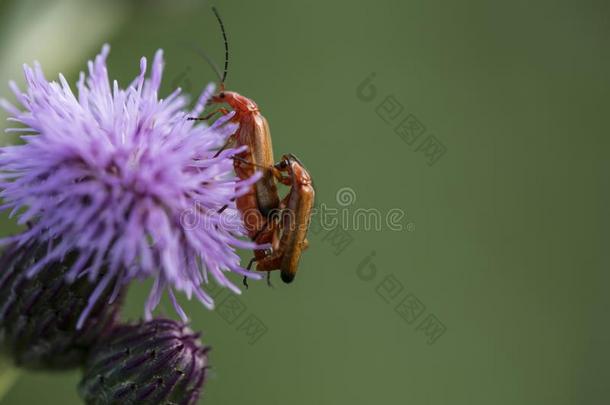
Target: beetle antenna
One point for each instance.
(224, 37)
(250, 163)
(208, 59)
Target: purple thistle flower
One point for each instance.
(115, 174)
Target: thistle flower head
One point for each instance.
(114, 175)
(156, 362)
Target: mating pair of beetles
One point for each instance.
(267, 219)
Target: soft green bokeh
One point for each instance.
(509, 246)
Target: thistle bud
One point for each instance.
(155, 362)
(39, 315)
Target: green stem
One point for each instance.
(8, 375)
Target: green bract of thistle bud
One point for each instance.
(156, 362)
(38, 315)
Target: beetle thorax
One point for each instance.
(239, 103)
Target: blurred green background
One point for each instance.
(494, 291)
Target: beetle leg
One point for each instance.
(287, 180)
(204, 118)
(284, 202)
(227, 143)
(224, 207)
(270, 261)
(248, 163)
(269, 233)
(276, 173)
(249, 267)
(223, 111)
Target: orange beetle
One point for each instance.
(253, 132)
(296, 209)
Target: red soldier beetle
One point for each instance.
(286, 232)
(253, 132)
(295, 216)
